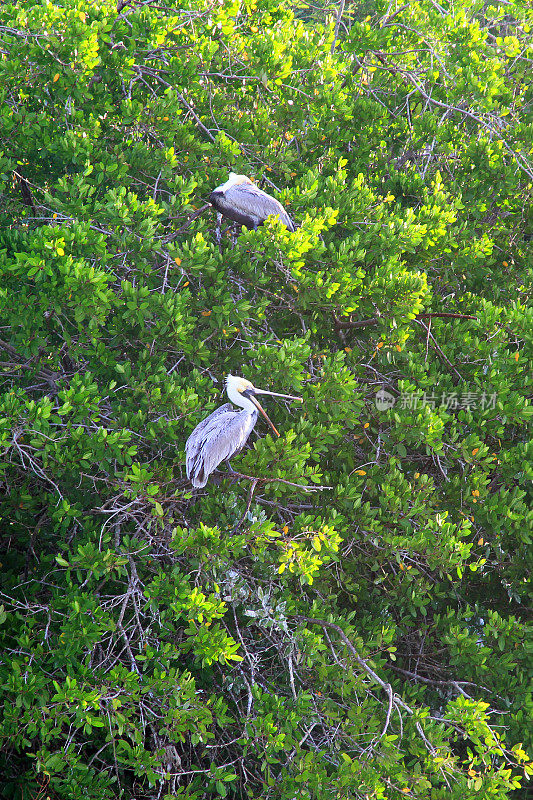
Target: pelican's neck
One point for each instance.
(239, 400)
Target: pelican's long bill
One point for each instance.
(250, 395)
(262, 411)
(276, 394)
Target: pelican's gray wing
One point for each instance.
(215, 439)
(225, 207)
(247, 203)
(194, 442)
(250, 199)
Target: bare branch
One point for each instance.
(365, 323)
(306, 488)
(439, 351)
(410, 78)
(340, 12)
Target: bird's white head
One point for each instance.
(242, 393)
(235, 387)
(233, 180)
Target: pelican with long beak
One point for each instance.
(224, 432)
(242, 201)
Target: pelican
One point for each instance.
(224, 432)
(242, 201)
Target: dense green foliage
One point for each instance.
(266, 637)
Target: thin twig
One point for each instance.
(360, 323)
(195, 116)
(387, 20)
(365, 323)
(278, 480)
(337, 25)
(427, 340)
(439, 351)
(184, 227)
(446, 314)
(248, 504)
(389, 710)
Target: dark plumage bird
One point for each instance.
(242, 201)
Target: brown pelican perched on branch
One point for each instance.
(242, 201)
(224, 432)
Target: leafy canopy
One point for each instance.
(346, 618)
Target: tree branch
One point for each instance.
(439, 351)
(184, 227)
(254, 478)
(396, 700)
(407, 77)
(365, 323)
(337, 25)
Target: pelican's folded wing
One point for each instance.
(194, 443)
(215, 439)
(225, 207)
(252, 200)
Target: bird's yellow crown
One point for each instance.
(239, 385)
